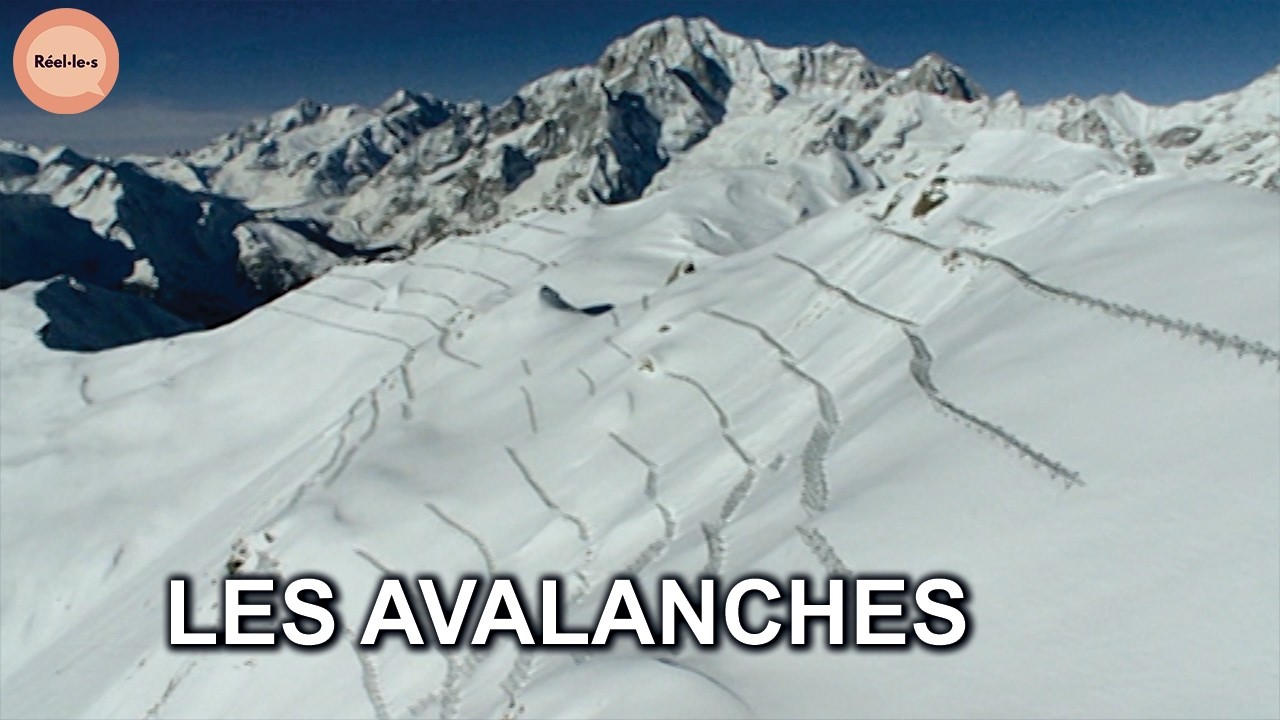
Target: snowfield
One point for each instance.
(1061, 385)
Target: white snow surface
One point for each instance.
(1061, 385)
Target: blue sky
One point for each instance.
(192, 69)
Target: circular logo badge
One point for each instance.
(66, 61)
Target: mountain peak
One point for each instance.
(677, 25)
(935, 74)
(303, 112)
(405, 98)
(667, 38)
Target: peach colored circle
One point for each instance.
(85, 66)
(59, 18)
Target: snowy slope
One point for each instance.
(1057, 381)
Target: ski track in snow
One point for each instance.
(442, 343)
(823, 551)
(673, 662)
(319, 478)
(406, 381)
(435, 294)
(669, 524)
(358, 278)
(339, 326)
(457, 269)
(342, 453)
(352, 448)
(540, 228)
(583, 530)
(482, 547)
(517, 679)
(353, 305)
(621, 350)
(307, 291)
(369, 679)
(541, 264)
(827, 408)
(591, 384)
(1203, 334)
(529, 407)
(373, 560)
(716, 549)
(920, 365)
(1222, 341)
(922, 362)
(758, 329)
(717, 544)
(409, 313)
(737, 495)
(815, 491)
(153, 712)
(521, 672)
(460, 668)
(722, 418)
(845, 294)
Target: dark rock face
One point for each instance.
(13, 166)
(934, 75)
(86, 317)
(170, 261)
(1141, 163)
(849, 135)
(188, 239)
(628, 157)
(39, 240)
(1273, 182)
(709, 84)
(1204, 156)
(408, 116)
(516, 168)
(1177, 137)
(1089, 128)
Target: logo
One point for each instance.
(66, 61)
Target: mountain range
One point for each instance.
(166, 245)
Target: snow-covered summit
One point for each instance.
(596, 133)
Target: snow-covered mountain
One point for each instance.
(314, 185)
(848, 320)
(416, 167)
(135, 256)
